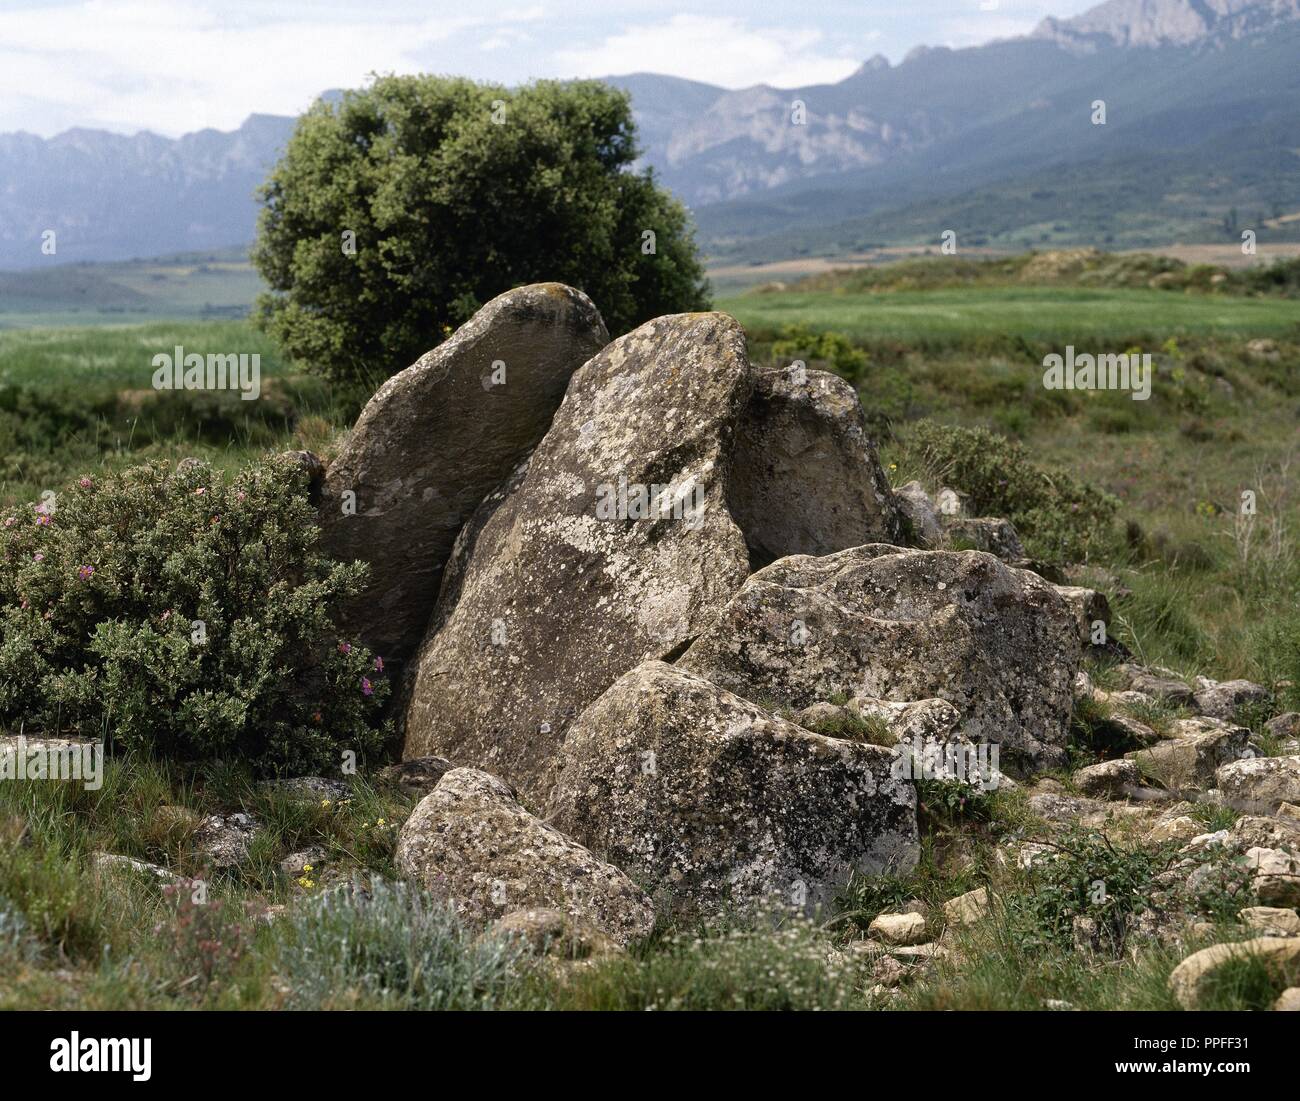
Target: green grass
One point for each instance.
(76, 400)
(1091, 320)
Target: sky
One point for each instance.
(174, 66)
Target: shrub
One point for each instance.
(178, 614)
(1059, 517)
(456, 192)
(790, 968)
(391, 948)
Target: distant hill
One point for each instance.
(1202, 137)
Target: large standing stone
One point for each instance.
(717, 803)
(806, 478)
(436, 439)
(568, 576)
(469, 840)
(997, 643)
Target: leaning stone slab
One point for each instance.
(806, 478)
(436, 439)
(717, 804)
(469, 840)
(613, 544)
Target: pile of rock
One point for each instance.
(608, 566)
(626, 579)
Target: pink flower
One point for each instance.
(366, 688)
(38, 557)
(85, 572)
(345, 647)
(86, 483)
(379, 665)
(44, 520)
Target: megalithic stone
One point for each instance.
(435, 440)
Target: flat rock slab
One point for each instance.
(436, 439)
(565, 579)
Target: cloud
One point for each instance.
(718, 49)
(177, 66)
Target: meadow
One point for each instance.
(1195, 586)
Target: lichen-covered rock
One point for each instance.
(714, 802)
(998, 644)
(611, 545)
(1090, 607)
(1187, 762)
(920, 516)
(990, 534)
(469, 840)
(806, 479)
(1260, 784)
(435, 439)
(1223, 699)
(1111, 778)
(1188, 979)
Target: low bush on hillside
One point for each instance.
(1059, 517)
(178, 613)
(392, 947)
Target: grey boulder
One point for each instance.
(470, 841)
(435, 439)
(717, 804)
(611, 545)
(999, 644)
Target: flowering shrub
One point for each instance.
(175, 612)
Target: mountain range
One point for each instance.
(1000, 143)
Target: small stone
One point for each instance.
(1188, 978)
(1108, 778)
(1272, 921)
(968, 908)
(898, 929)
(1288, 1001)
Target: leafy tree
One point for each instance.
(398, 211)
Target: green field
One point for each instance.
(1046, 314)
